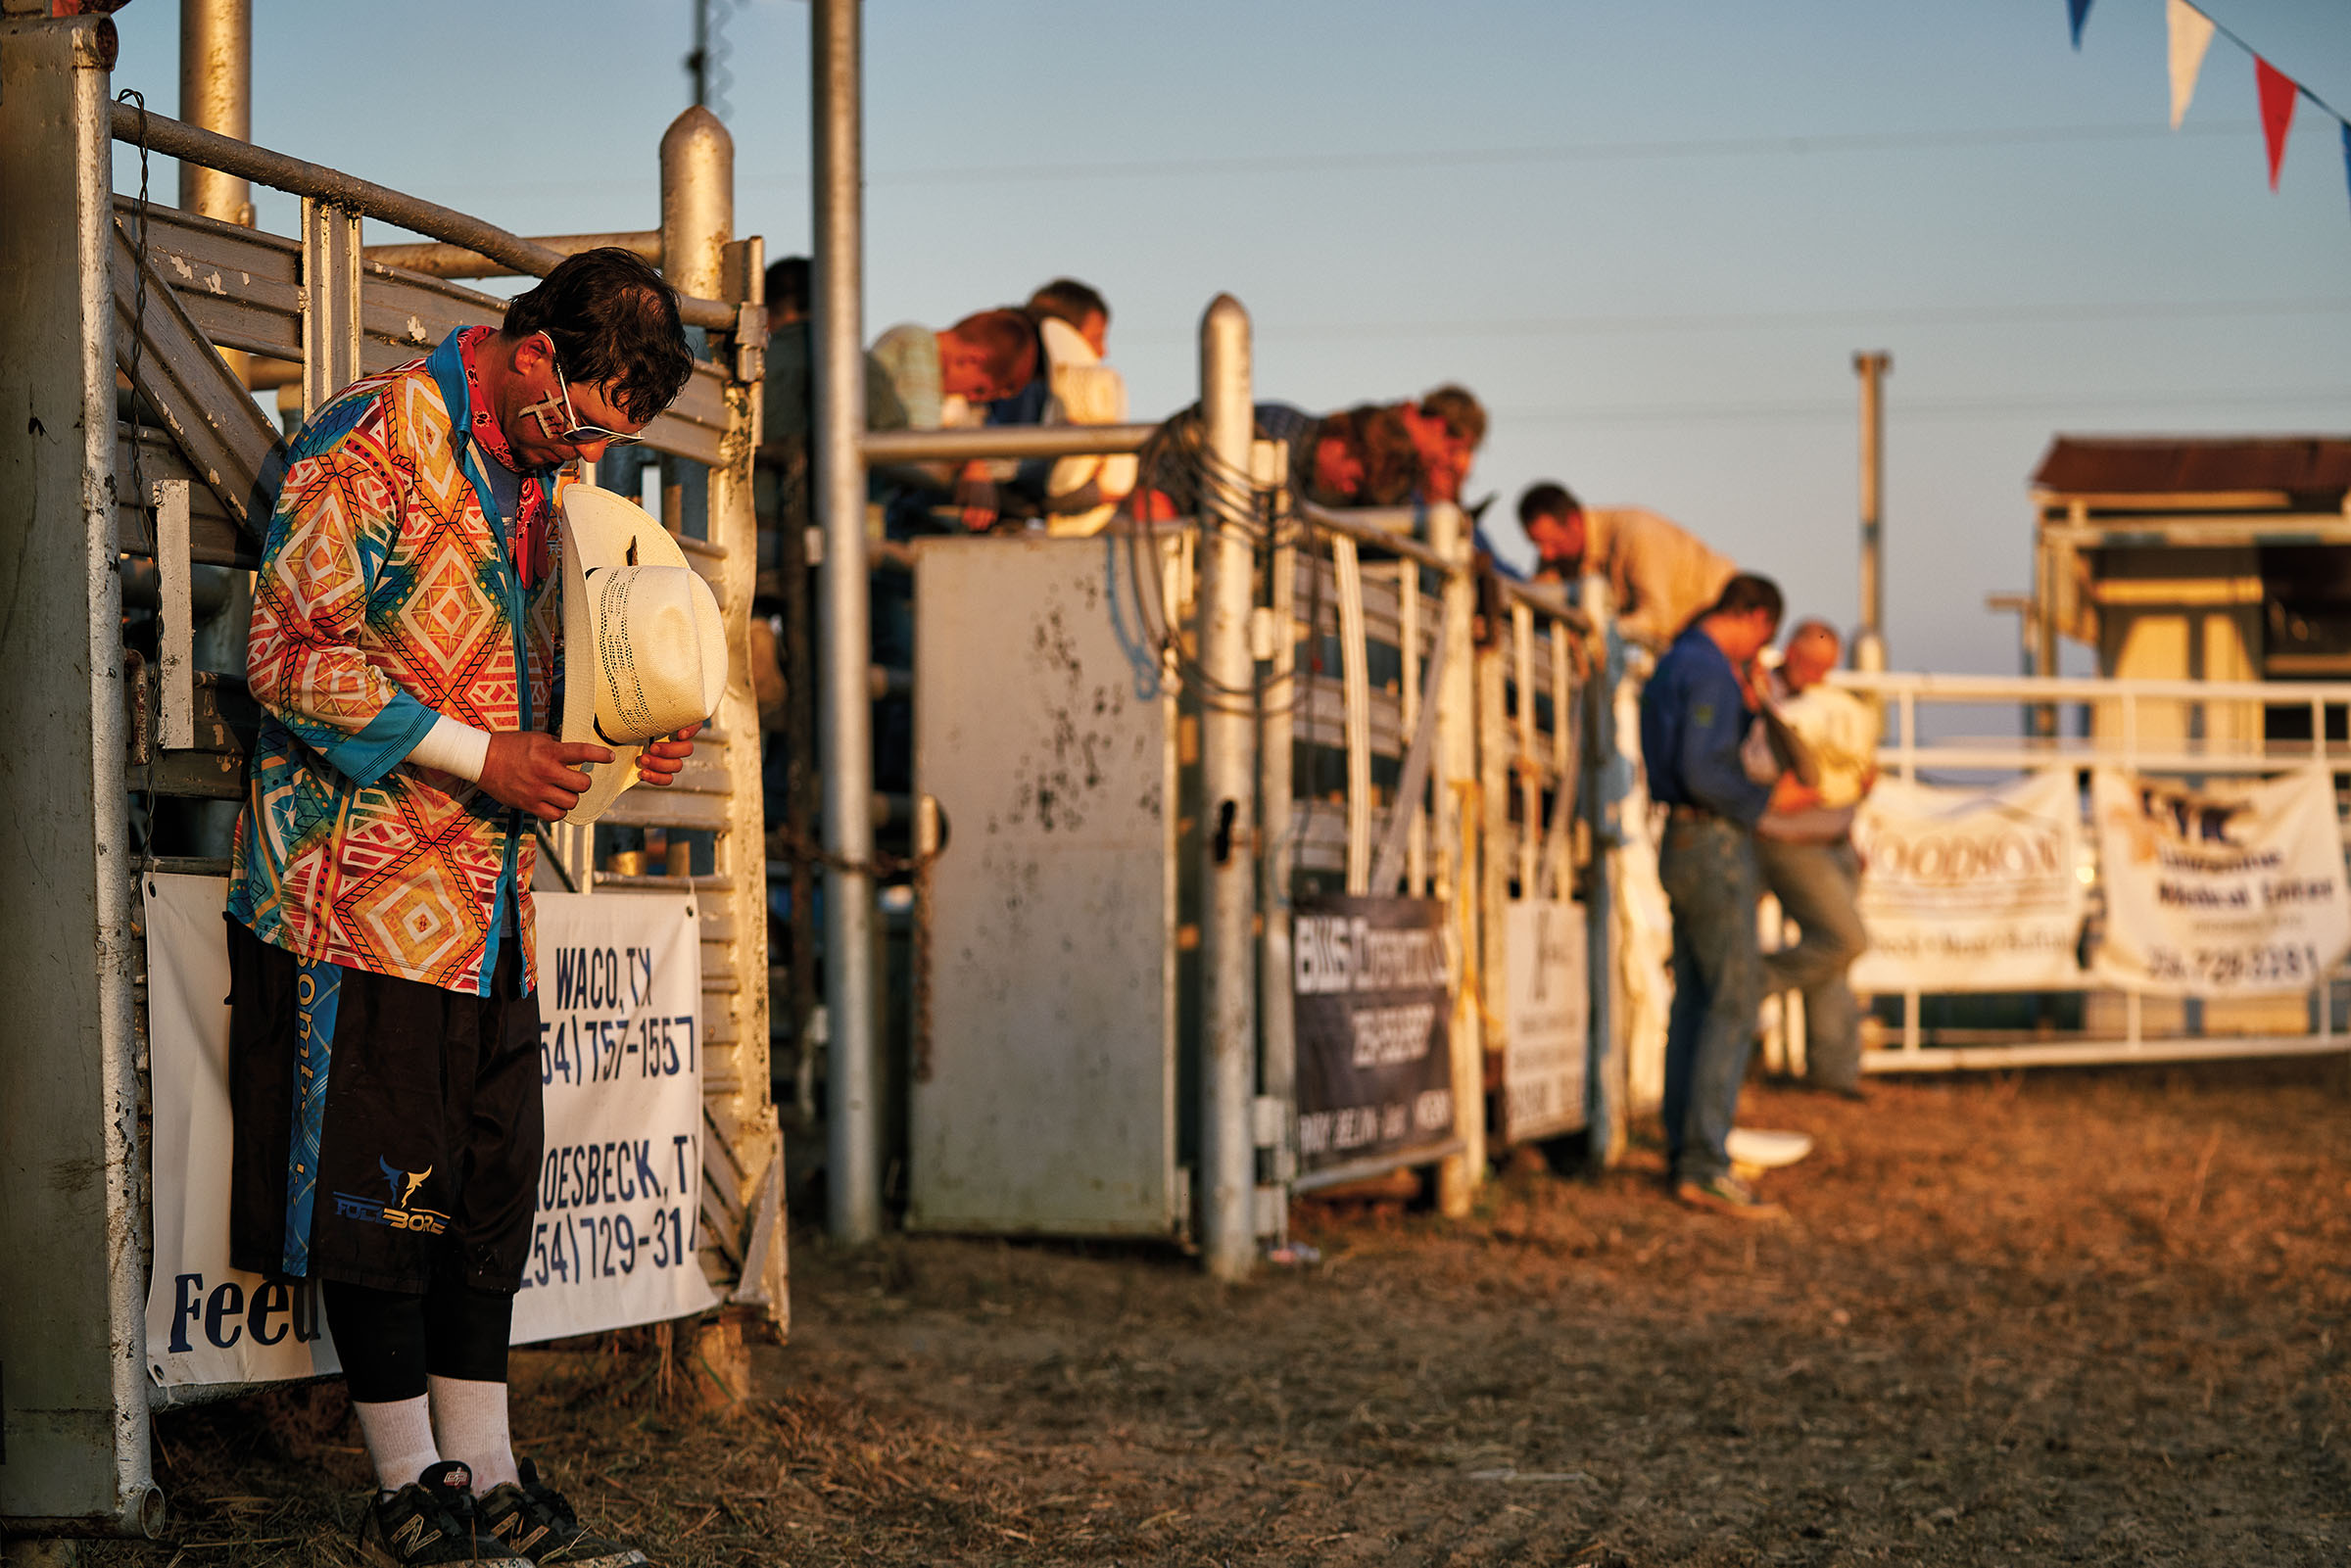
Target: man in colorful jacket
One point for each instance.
(384, 1033)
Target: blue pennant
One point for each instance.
(2079, 11)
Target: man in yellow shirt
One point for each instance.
(1805, 847)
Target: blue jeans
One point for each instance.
(1817, 886)
(1708, 868)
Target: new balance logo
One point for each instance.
(411, 1538)
(510, 1530)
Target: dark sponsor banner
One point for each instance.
(1374, 1000)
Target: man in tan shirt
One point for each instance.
(1660, 576)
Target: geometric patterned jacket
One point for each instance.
(389, 593)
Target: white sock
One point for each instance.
(400, 1439)
(469, 1419)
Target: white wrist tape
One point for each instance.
(450, 747)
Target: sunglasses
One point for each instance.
(576, 432)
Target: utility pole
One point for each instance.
(1869, 648)
(706, 63)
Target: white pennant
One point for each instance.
(2191, 34)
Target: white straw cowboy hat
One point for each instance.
(644, 650)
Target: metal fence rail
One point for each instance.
(2182, 729)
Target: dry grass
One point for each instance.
(2093, 1317)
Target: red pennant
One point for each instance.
(2278, 95)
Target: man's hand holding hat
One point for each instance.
(645, 652)
(534, 773)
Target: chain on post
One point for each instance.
(785, 842)
(151, 701)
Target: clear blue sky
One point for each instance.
(1650, 236)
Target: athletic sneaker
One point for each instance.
(1727, 1194)
(432, 1519)
(534, 1521)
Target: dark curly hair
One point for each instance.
(615, 323)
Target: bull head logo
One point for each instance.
(402, 1184)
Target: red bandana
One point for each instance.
(529, 533)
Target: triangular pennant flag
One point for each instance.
(2347, 151)
(2278, 95)
(2079, 12)
(2191, 34)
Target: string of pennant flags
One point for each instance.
(2192, 34)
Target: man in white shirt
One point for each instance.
(1805, 847)
(1073, 322)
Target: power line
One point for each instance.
(1924, 409)
(1391, 162)
(1570, 153)
(2054, 312)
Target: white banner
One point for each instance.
(206, 1322)
(2223, 892)
(620, 1186)
(1969, 890)
(1548, 1023)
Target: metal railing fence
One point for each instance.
(2188, 729)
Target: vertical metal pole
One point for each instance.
(1228, 793)
(699, 257)
(698, 221)
(1276, 1016)
(1608, 1094)
(330, 308)
(1869, 648)
(1462, 874)
(853, 1183)
(698, 202)
(698, 62)
(216, 94)
(72, 1235)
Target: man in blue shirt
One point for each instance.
(1694, 715)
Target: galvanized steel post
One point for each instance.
(844, 718)
(73, 1238)
(216, 93)
(698, 202)
(698, 219)
(1610, 1114)
(1229, 796)
(1457, 793)
(699, 257)
(1277, 1130)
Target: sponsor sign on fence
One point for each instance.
(1969, 890)
(1549, 1018)
(1374, 998)
(2226, 890)
(620, 1182)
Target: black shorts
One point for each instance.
(387, 1132)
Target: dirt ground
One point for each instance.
(2068, 1317)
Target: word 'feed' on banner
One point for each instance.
(1548, 1046)
(1374, 1002)
(620, 1183)
(1969, 890)
(2226, 890)
(206, 1322)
